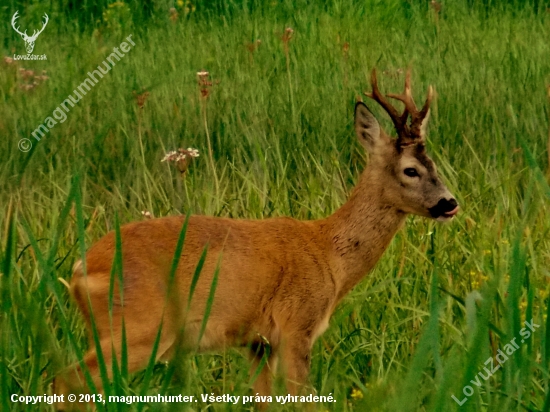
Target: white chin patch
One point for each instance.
(444, 218)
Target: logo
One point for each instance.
(29, 40)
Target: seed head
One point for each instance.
(253, 46)
(173, 14)
(204, 83)
(436, 6)
(287, 35)
(141, 98)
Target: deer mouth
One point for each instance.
(451, 214)
(444, 209)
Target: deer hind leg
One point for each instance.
(139, 350)
(142, 323)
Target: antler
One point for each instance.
(14, 18)
(399, 121)
(35, 33)
(406, 134)
(25, 35)
(410, 106)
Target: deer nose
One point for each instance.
(445, 208)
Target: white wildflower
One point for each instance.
(192, 152)
(169, 156)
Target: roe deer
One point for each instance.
(280, 279)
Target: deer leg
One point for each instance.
(267, 360)
(139, 353)
(141, 333)
(296, 363)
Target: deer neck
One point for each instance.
(361, 230)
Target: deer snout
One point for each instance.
(445, 208)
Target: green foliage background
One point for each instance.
(443, 298)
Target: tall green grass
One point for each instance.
(443, 298)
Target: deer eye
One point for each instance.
(411, 172)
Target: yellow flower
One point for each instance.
(477, 279)
(356, 394)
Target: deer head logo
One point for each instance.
(29, 40)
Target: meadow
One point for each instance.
(273, 123)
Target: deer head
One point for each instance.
(29, 40)
(403, 168)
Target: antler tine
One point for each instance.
(417, 120)
(398, 120)
(46, 20)
(426, 106)
(406, 96)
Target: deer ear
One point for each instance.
(424, 125)
(366, 127)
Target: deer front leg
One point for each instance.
(266, 358)
(296, 354)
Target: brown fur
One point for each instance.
(279, 280)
